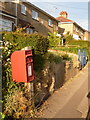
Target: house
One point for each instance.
(7, 16)
(27, 15)
(71, 26)
(87, 36)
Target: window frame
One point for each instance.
(50, 22)
(29, 31)
(23, 9)
(35, 15)
(6, 25)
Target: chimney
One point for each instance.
(64, 14)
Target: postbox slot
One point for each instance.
(29, 55)
(29, 52)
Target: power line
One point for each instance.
(67, 6)
(56, 8)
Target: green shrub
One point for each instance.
(73, 45)
(2, 116)
(57, 58)
(69, 37)
(54, 58)
(66, 57)
(18, 40)
(53, 40)
(13, 41)
(71, 41)
(80, 43)
(69, 49)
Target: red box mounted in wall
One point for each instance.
(22, 66)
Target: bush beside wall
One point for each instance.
(13, 41)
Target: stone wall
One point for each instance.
(53, 77)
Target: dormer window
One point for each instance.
(34, 15)
(49, 22)
(23, 9)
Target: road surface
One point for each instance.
(71, 100)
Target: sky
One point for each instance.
(77, 11)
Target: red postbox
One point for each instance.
(22, 66)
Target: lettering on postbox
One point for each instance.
(22, 66)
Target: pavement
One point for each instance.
(70, 101)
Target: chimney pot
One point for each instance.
(64, 14)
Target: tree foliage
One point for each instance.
(54, 40)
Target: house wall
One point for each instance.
(7, 16)
(78, 31)
(41, 25)
(87, 36)
(68, 27)
(73, 29)
(8, 7)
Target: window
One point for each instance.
(34, 15)
(23, 9)
(42, 22)
(76, 29)
(29, 30)
(49, 22)
(5, 25)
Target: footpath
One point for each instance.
(70, 101)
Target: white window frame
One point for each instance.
(50, 22)
(35, 15)
(23, 9)
(5, 25)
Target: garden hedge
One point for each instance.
(13, 41)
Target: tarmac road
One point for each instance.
(71, 108)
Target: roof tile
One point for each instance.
(62, 19)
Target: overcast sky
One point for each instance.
(77, 11)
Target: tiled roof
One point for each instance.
(62, 19)
(87, 31)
